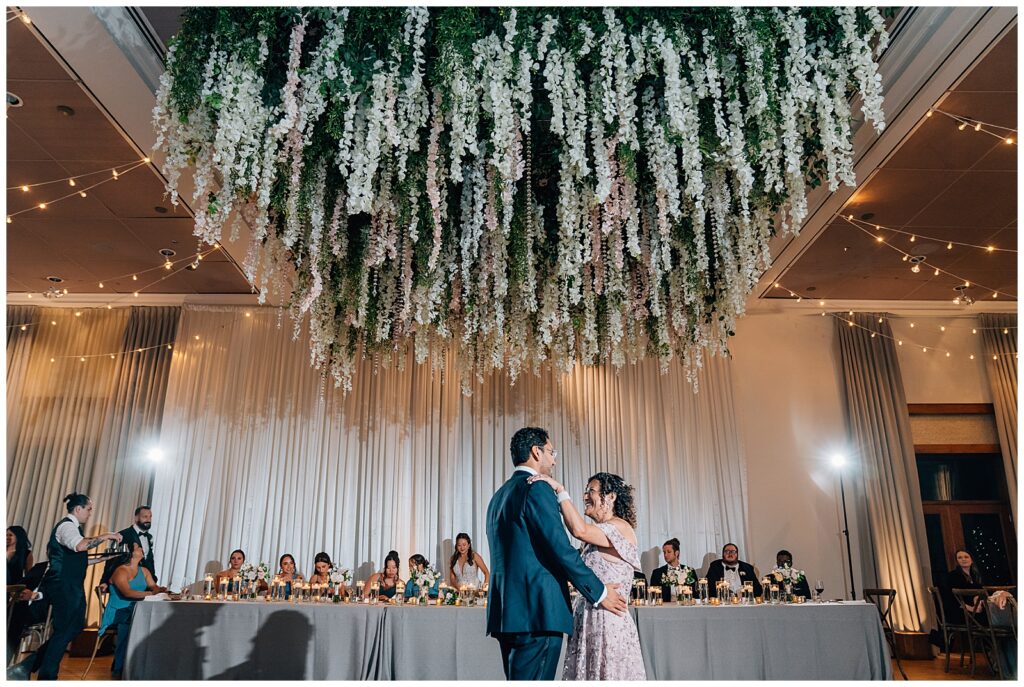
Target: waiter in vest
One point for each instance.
(64, 583)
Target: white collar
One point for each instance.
(136, 528)
(525, 468)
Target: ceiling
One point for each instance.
(939, 182)
(117, 229)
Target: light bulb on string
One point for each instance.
(913, 239)
(936, 271)
(949, 246)
(83, 194)
(974, 331)
(71, 182)
(916, 268)
(963, 125)
(977, 127)
(1009, 140)
(972, 356)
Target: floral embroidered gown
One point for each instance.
(604, 646)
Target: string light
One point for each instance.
(82, 194)
(977, 125)
(938, 270)
(73, 180)
(913, 236)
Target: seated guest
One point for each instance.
(964, 576)
(129, 583)
(19, 562)
(287, 573)
(388, 580)
(465, 565)
(19, 554)
(670, 550)
(783, 559)
(235, 562)
(731, 569)
(321, 569)
(418, 562)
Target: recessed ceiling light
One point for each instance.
(66, 111)
(55, 280)
(14, 100)
(867, 215)
(812, 288)
(160, 208)
(168, 252)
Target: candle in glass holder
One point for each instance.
(208, 587)
(774, 593)
(222, 589)
(374, 592)
(702, 590)
(653, 595)
(686, 599)
(359, 590)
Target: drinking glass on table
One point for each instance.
(819, 587)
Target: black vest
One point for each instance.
(67, 567)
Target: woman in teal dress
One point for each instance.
(129, 583)
(418, 562)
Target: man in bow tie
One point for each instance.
(139, 532)
(734, 571)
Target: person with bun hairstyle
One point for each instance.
(64, 583)
(387, 581)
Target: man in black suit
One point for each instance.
(784, 558)
(730, 568)
(670, 550)
(528, 607)
(137, 533)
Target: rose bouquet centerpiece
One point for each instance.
(677, 577)
(249, 574)
(337, 578)
(787, 576)
(424, 579)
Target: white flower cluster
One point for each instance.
(787, 574)
(340, 576)
(673, 151)
(679, 576)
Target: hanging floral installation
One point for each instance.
(560, 185)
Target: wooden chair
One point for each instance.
(977, 632)
(949, 630)
(101, 597)
(883, 600)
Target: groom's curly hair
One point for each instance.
(613, 484)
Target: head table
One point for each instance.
(196, 640)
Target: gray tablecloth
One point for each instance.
(256, 640)
(798, 642)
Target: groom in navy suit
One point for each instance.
(528, 607)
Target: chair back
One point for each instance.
(883, 599)
(993, 588)
(101, 598)
(965, 597)
(1005, 618)
(940, 611)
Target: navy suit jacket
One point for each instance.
(716, 573)
(531, 561)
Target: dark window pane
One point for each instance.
(936, 546)
(960, 476)
(984, 540)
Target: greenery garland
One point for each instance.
(573, 185)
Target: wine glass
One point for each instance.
(819, 587)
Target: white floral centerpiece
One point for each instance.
(338, 577)
(678, 577)
(787, 576)
(249, 575)
(424, 580)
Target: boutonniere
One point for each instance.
(743, 573)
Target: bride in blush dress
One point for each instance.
(603, 646)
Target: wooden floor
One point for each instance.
(72, 668)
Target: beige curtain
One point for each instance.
(884, 471)
(82, 425)
(261, 457)
(1001, 365)
(19, 350)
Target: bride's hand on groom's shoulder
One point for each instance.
(550, 481)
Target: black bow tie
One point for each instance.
(148, 536)
(731, 567)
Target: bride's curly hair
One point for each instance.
(613, 484)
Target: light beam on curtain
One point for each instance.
(261, 457)
(1002, 379)
(84, 426)
(885, 477)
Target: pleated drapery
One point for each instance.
(83, 425)
(260, 455)
(884, 473)
(1001, 366)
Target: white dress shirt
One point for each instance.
(733, 577)
(143, 540)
